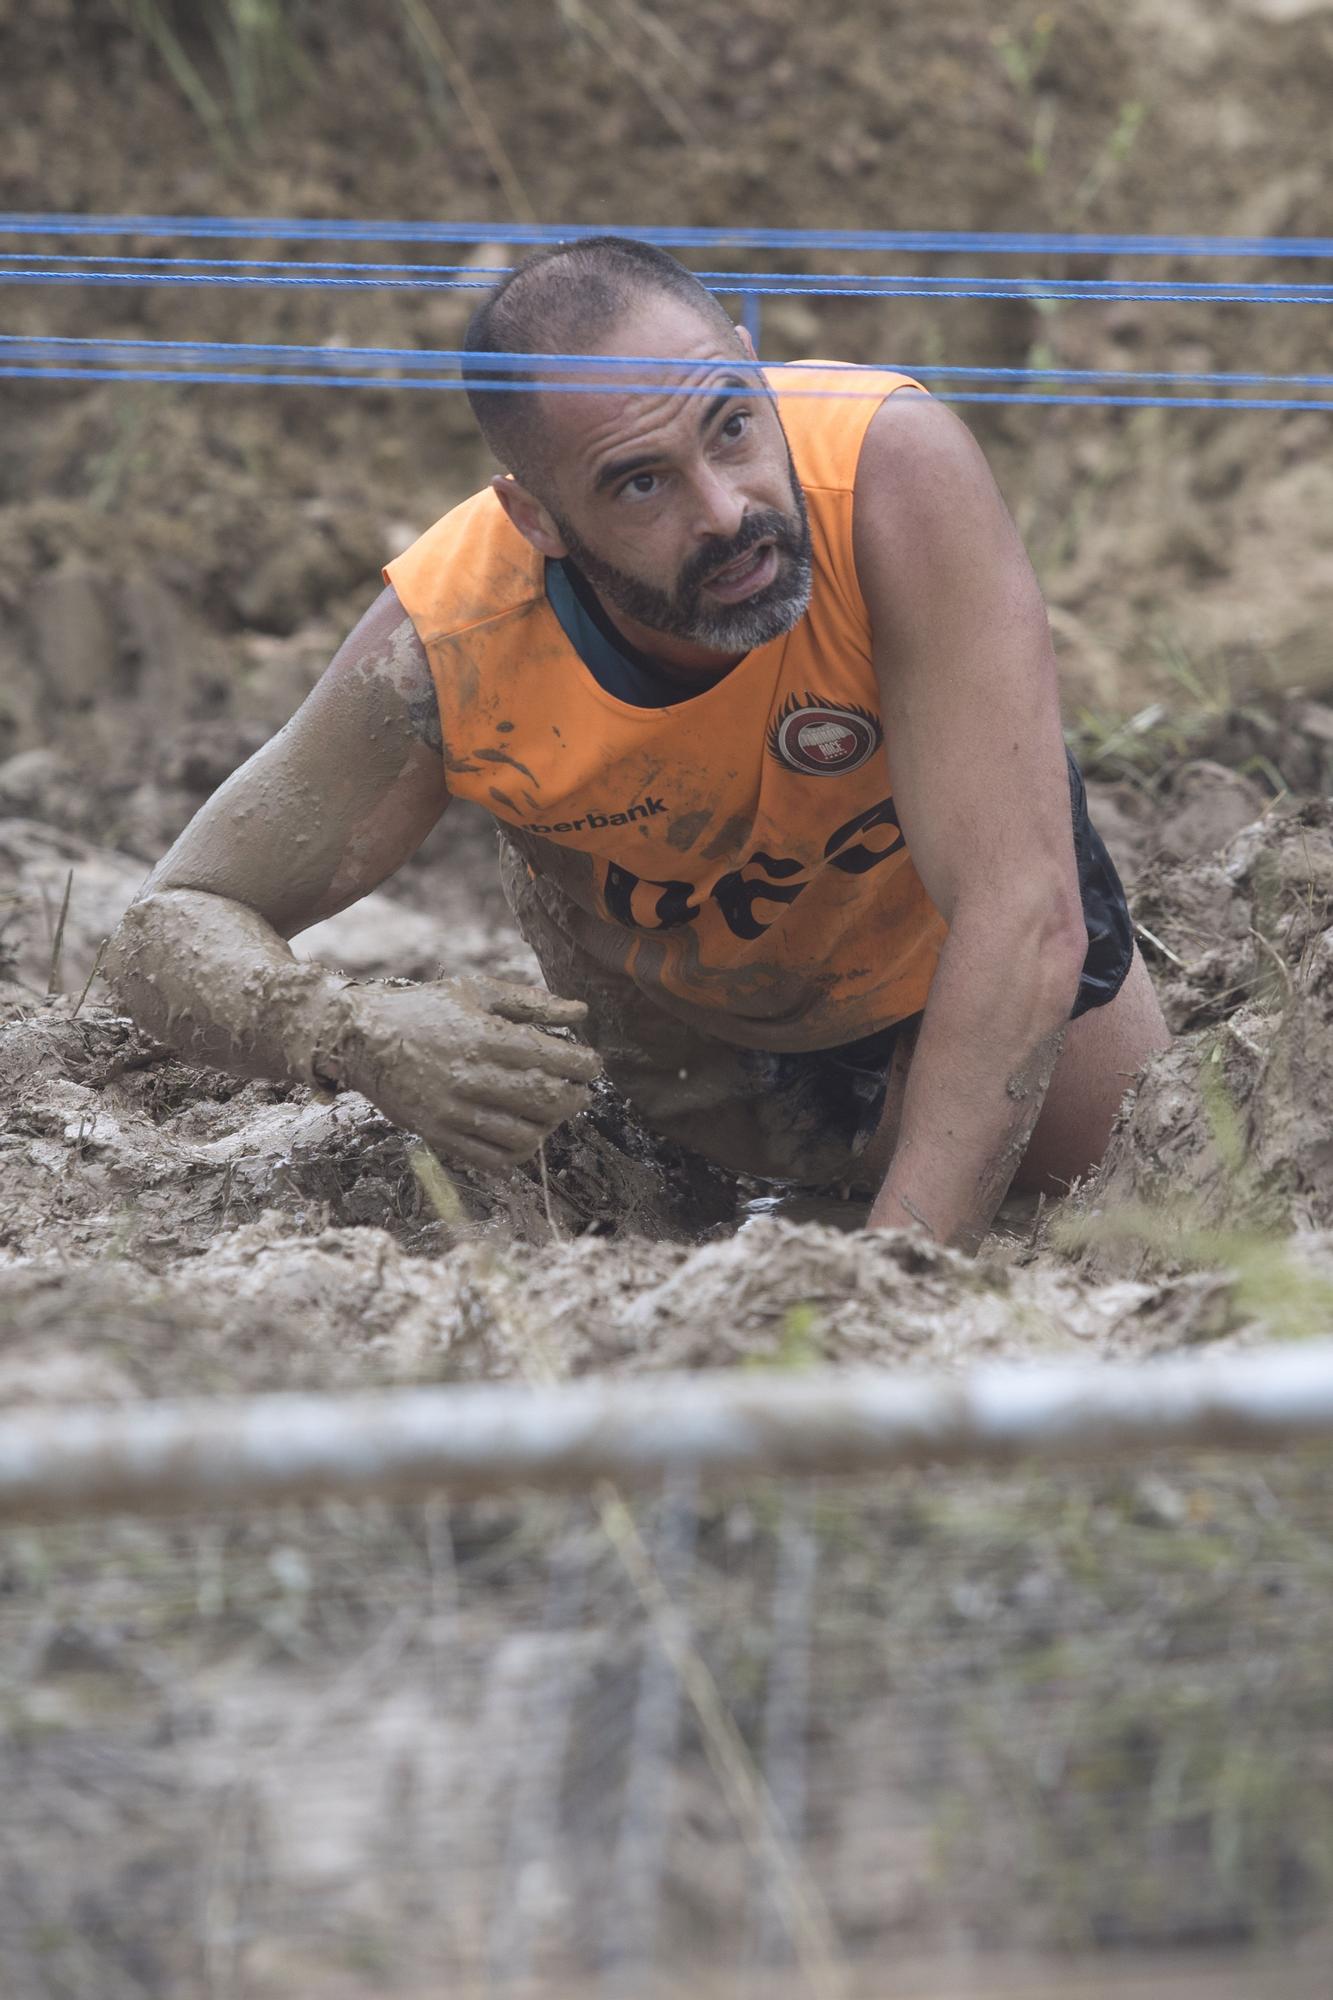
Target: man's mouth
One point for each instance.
(749, 573)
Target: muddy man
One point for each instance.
(757, 682)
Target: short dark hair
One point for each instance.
(562, 300)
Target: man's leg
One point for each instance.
(1103, 1052)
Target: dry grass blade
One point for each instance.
(88, 982)
(800, 1905)
(449, 65)
(667, 106)
(147, 16)
(557, 1234)
(1150, 937)
(58, 942)
(666, 38)
(437, 1186)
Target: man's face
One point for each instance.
(684, 511)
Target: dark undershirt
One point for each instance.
(624, 672)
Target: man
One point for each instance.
(676, 649)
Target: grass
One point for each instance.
(1198, 702)
(255, 57)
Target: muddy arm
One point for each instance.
(971, 714)
(321, 815)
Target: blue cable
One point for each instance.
(1160, 292)
(40, 347)
(297, 381)
(76, 260)
(470, 277)
(938, 242)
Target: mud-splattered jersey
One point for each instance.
(737, 853)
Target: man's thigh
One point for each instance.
(1104, 1050)
(777, 1117)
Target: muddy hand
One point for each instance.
(464, 1062)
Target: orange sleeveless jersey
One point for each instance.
(736, 854)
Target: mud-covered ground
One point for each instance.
(167, 1229)
(1034, 1717)
(176, 566)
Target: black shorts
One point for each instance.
(846, 1086)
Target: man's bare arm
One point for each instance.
(971, 714)
(338, 799)
(321, 815)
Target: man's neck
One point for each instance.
(693, 666)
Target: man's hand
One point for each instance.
(464, 1062)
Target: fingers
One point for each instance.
(525, 1049)
(493, 1140)
(532, 1004)
(539, 1099)
(513, 1138)
(475, 1153)
(505, 1136)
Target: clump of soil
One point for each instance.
(1232, 1129)
(1243, 925)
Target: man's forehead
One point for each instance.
(616, 404)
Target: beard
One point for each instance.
(681, 613)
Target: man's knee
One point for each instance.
(1105, 1050)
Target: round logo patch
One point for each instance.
(815, 737)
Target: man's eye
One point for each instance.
(736, 425)
(641, 484)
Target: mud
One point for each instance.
(269, 1234)
(183, 1228)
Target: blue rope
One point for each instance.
(744, 284)
(297, 381)
(472, 277)
(42, 347)
(937, 242)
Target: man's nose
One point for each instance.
(719, 507)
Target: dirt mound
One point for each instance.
(175, 561)
(170, 1230)
(1232, 1129)
(1240, 925)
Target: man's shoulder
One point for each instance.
(827, 408)
(918, 455)
(469, 567)
(928, 517)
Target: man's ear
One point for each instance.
(743, 335)
(529, 516)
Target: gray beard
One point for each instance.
(720, 628)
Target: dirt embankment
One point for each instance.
(176, 564)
